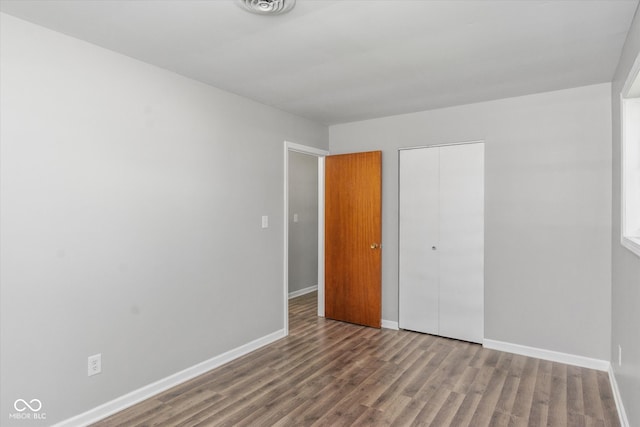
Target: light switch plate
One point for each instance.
(619, 355)
(265, 221)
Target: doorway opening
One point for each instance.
(298, 159)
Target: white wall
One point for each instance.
(547, 215)
(625, 331)
(131, 200)
(303, 235)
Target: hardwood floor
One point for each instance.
(328, 373)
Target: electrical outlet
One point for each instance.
(94, 364)
(619, 355)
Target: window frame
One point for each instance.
(630, 104)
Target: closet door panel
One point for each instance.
(418, 261)
(461, 250)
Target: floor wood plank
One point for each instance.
(328, 373)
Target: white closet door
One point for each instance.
(461, 249)
(418, 268)
(441, 262)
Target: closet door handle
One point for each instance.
(375, 246)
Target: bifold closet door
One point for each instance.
(461, 249)
(418, 263)
(441, 262)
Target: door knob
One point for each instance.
(433, 248)
(375, 246)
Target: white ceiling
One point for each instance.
(347, 60)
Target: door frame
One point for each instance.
(320, 154)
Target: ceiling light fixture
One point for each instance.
(267, 7)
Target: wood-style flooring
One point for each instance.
(328, 373)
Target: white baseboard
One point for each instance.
(389, 324)
(554, 356)
(304, 291)
(624, 421)
(100, 412)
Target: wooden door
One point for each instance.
(353, 234)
